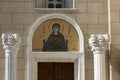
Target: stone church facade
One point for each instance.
(87, 17)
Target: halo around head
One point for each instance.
(59, 23)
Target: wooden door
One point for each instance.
(55, 71)
(45, 71)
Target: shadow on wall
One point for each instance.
(115, 62)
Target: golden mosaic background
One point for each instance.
(45, 29)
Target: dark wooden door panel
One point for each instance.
(55, 71)
(45, 71)
(64, 71)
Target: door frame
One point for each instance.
(76, 57)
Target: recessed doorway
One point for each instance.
(55, 71)
(74, 56)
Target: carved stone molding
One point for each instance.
(98, 43)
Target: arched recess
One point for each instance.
(35, 57)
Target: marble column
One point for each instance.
(99, 45)
(11, 44)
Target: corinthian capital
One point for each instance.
(98, 42)
(11, 41)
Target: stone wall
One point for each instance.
(115, 36)
(17, 16)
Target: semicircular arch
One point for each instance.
(59, 16)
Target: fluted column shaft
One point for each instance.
(99, 66)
